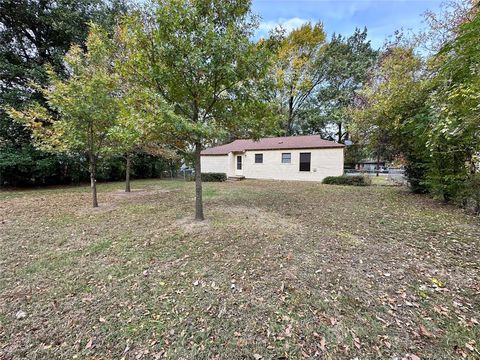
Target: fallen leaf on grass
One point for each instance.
(241, 342)
(322, 340)
(288, 330)
(21, 315)
(472, 322)
(322, 343)
(438, 283)
(424, 332)
(470, 345)
(89, 344)
(440, 310)
(461, 351)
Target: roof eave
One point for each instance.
(338, 146)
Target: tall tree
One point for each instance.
(33, 34)
(295, 71)
(85, 105)
(144, 122)
(442, 26)
(345, 65)
(197, 54)
(394, 115)
(454, 139)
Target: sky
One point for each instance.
(381, 17)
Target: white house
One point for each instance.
(307, 158)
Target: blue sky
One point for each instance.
(381, 17)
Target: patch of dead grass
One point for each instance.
(279, 269)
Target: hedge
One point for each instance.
(355, 180)
(214, 177)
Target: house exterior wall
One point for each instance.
(218, 164)
(324, 162)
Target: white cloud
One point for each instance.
(288, 24)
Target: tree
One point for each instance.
(295, 70)
(442, 26)
(33, 34)
(143, 123)
(85, 106)
(395, 115)
(454, 140)
(345, 65)
(198, 56)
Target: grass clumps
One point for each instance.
(356, 180)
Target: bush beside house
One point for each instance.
(214, 177)
(347, 180)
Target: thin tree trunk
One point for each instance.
(290, 116)
(127, 174)
(198, 183)
(378, 164)
(93, 180)
(339, 132)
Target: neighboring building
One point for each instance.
(307, 158)
(370, 165)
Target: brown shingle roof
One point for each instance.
(277, 143)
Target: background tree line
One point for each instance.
(96, 83)
(421, 102)
(36, 35)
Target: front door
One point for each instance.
(238, 165)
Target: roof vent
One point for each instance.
(280, 142)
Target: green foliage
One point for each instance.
(468, 195)
(427, 110)
(201, 61)
(344, 66)
(454, 140)
(28, 166)
(198, 56)
(395, 116)
(295, 70)
(354, 154)
(145, 119)
(354, 180)
(31, 167)
(85, 103)
(34, 34)
(214, 177)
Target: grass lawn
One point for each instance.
(279, 270)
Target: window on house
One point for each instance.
(286, 158)
(239, 162)
(305, 161)
(258, 158)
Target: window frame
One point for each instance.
(239, 162)
(289, 158)
(261, 158)
(301, 166)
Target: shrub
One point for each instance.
(214, 177)
(469, 194)
(347, 180)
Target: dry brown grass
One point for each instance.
(279, 270)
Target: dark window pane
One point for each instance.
(258, 158)
(286, 158)
(305, 161)
(239, 163)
